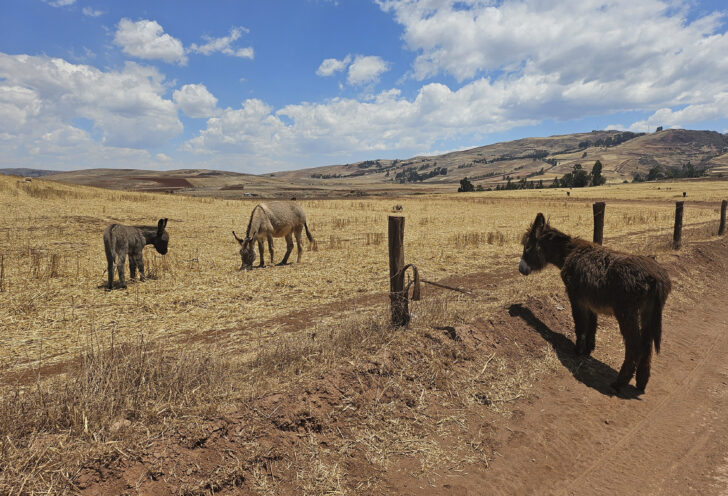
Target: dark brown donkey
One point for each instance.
(599, 280)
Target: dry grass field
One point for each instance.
(69, 350)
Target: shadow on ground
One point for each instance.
(587, 370)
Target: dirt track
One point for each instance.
(575, 438)
(672, 440)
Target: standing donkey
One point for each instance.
(120, 241)
(599, 280)
(273, 219)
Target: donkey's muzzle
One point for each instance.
(523, 268)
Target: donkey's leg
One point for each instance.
(132, 266)
(643, 365)
(645, 358)
(261, 249)
(140, 266)
(299, 246)
(591, 331)
(289, 249)
(111, 275)
(110, 262)
(270, 248)
(629, 327)
(120, 268)
(581, 316)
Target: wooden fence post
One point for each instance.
(721, 229)
(677, 233)
(598, 222)
(397, 294)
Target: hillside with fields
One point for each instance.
(624, 156)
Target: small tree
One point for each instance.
(465, 186)
(654, 173)
(596, 174)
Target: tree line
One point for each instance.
(577, 178)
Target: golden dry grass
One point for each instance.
(198, 323)
(53, 265)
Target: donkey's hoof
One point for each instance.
(616, 386)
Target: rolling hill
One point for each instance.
(623, 156)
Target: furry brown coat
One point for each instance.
(273, 219)
(633, 288)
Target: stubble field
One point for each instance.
(54, 263)
(55, 312)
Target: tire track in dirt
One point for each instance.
(653, 456)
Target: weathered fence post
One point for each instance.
(397, 292)
(598, 222)
(721, 229)
(677, 234)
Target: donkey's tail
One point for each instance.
(310, 238)
(109, 245)
(652, 318)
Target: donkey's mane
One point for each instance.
(551, 234)
(250, 222)
(548, 234)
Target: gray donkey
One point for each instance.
(273, 219)
(120, 241)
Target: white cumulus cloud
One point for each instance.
(224, 45)
(195, 100)
(90, 12)
(362, 69)
(715, 108)
(146, 39)
(60, 3)
(329, 66)
(127, 108)
(366, 69)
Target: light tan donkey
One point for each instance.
(270, 220)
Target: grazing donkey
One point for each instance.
(599, 280)
(273, 219)
(120, 240)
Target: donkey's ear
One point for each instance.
(540, 221)
(161, 224)
(165, 222)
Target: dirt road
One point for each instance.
(575, 438)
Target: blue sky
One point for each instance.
(257, 86)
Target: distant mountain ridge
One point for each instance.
(624, 155)
(25, 172)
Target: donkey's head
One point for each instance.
(162, 239)
(534, 253)
(247, 253)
